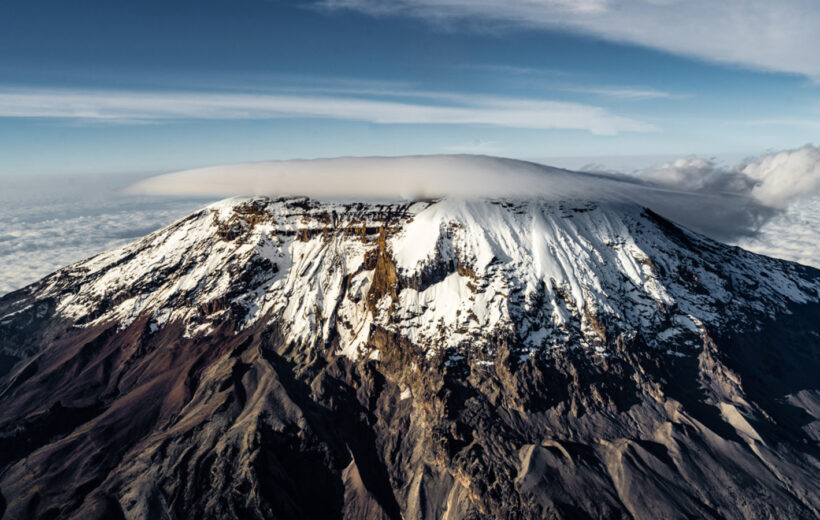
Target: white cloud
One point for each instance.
(721, 215)
(627, 93)
(423, 176)
(782, 194)
(440, 108)
(693, 173)
(725, 203)
(783, 177)
(779, 35)
(775, 180)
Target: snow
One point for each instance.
(546, 273)
(562, 248)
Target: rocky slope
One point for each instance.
(438, 359)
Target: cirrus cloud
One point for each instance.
(433, 108)
(781, 35)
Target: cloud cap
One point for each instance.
(721, 215)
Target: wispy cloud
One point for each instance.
(557, 80)
(781, 35)
(628, 93)
(438, 108)
(514, 70)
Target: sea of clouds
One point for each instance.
(47, 223)
(768, 204)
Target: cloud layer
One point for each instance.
(692, 193)
(781, 35)
(47, 225)
(431, 108)
(793, 234)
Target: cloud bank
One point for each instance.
(48, 223)
(725, 204)
(784, 187)
(791, 234)
(433, 108)
(776, 180)
(781, 35)
(784, 177)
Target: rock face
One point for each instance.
(442, 359)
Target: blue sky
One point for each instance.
(125, 86)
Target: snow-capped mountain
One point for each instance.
(447, 275)
(427, 359)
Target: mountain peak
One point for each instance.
(469, 357)
(449, 274)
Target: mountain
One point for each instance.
(448, 358)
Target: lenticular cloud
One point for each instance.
(391, 178)
(725, 204)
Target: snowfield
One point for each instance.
(453, 276)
